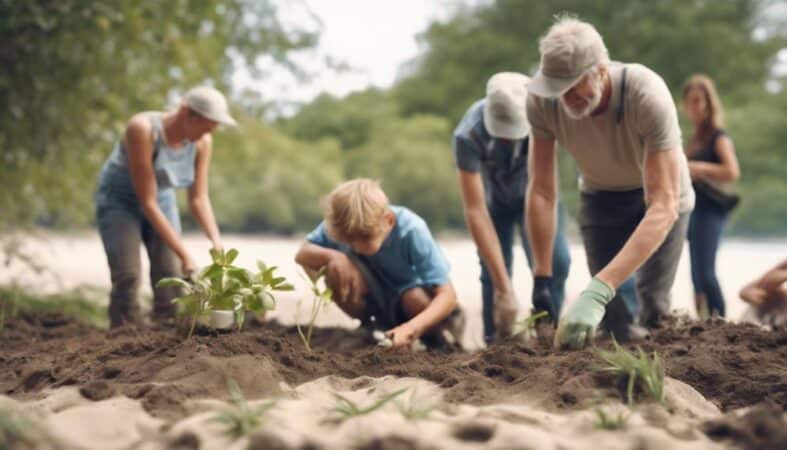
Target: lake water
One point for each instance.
(77, 259)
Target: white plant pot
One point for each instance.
(222, 319)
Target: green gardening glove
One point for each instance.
(578, 326)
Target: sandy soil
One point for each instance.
(151, 389)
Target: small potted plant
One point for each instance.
(223, 293)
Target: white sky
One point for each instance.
(372, 37)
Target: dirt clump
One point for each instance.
(764, 426)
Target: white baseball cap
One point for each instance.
(504, 110)
(209, 103)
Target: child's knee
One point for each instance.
(415, 300)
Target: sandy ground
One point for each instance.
(78, 259)
(150, 389)
(122, 423)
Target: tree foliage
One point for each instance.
(73, 71)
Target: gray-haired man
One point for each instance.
(620, 124)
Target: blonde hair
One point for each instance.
(714, 113)
(355, 209)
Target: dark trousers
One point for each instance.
(505, 220)
(122, 233)
(607, 220)
(705, 229)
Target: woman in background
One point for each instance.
(714, 168)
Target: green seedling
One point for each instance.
(648, 370)
(606, 421)
(223, 286)
(527, 326)
(346, 409)
(321, 297)
(412, 410)
(241, 420)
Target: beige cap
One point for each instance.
(209, 103)
(569, 49)
(504, 109)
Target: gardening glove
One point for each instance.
(505, 304)
(542, 297)
(578, 326)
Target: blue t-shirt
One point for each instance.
(409, 256)
(503, 165)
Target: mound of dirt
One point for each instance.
(732, 365)
(764, 426)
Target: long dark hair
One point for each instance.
(714, 113)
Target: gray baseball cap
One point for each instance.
(209, 103)
(566, 54)
(504, 110)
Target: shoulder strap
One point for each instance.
(622, 99)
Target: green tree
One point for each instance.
(73, 71)
(412, 158)
(350, 119)
(268, 181)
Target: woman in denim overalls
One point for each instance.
(136, 203)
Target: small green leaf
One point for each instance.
(173, 282)
(268, 301)
(284, 287)
(217, 256)
(230, 256)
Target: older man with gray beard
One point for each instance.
(620, 124)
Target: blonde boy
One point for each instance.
(383, 265)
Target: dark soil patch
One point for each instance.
(764, 426)
(97, 391)
(733, 365)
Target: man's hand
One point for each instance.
(542, 297)
(506, 305)
(577, 328)
(341, 271)
(403, 336)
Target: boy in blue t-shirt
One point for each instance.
(383, 266)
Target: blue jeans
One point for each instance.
(504, 220)
(705, 229)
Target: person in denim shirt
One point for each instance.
(136, 204)
(490, 150)
(383, 266)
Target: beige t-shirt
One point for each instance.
(609, 153)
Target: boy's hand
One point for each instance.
(402, 336)
(754, 295)
(341, 272)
